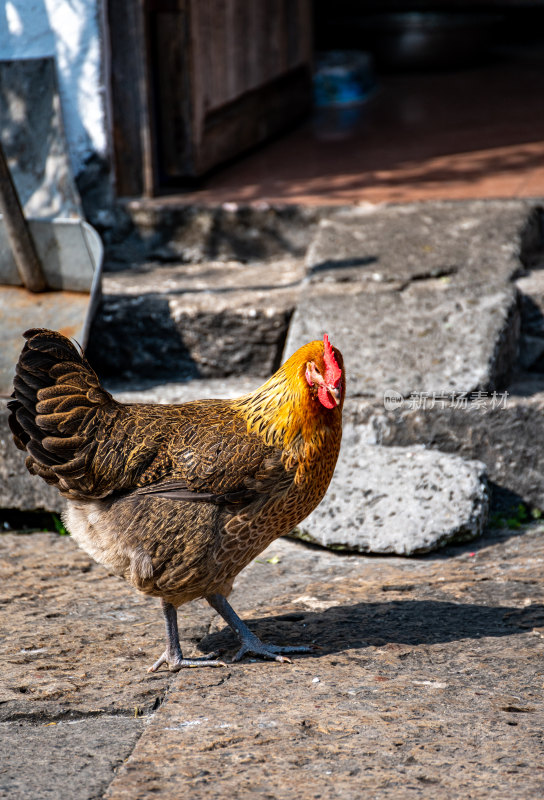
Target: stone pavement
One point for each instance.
(427, 682)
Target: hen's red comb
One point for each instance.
(333, 373)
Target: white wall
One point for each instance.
(70, 31)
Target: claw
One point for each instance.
(251, 644)
(175, 663)
(271, 651)
(172, 656)
(158, 664)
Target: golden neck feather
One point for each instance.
(283, 412)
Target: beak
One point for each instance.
(336, 393)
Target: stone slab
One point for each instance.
(430, 337)
(428, 683)
(506, 438)
(413, 654)
(194, 320)
(69, 629)
(204, 389)
(73, 758)
(157, 228)
(472, 242)
(76, 642)
(531, 289)
(403, 500)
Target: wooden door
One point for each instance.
(216, 78)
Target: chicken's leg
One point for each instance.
(251, 644)
(172, 656)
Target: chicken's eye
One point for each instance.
(313, 375)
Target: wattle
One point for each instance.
(324, 397)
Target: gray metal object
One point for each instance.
(32, 135)
(62, 254)
(71, 253)
(20, 239)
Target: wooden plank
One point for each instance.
(306, 33)
(240, 85)
(195, 82)
(241, 27)
(255, 74)
(221, 53)
(231, 48)
(131, 128)
(172, 96)
(200, 68)
(252, 118)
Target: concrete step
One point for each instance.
(437, 311)
(171, 322)
(429, 337)
(420, 297)
(478, 241)
(504, 432)
(163, 229)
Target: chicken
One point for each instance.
(178, 499)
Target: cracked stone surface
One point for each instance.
(69, 629)
(69, 758)
(428, 678)
(473, 242)
(505, 438)
(427, 674)
(233, 231)
(430, 337)
(402, 500)
(419, 297)
(531, 288)
(399, 327)
(428, 681)
(210, 388)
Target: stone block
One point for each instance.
(506, 438)
(18, 489)
(430, 337)
(471, 242)
(403, 500)
(187, 321)
(159, 229)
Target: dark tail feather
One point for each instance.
(56, 396)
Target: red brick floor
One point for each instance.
(468, 134)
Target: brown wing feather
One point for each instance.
(90, 446)
(211, 456)
(177, 490)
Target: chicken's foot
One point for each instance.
(251, 644)
(172, 656)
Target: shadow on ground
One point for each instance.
(409, 622)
